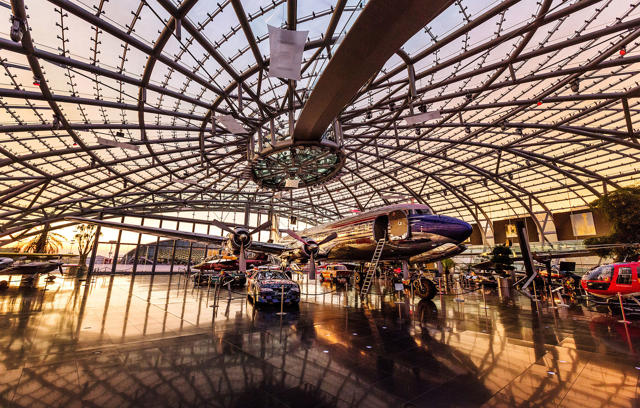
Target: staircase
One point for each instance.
(366, 284)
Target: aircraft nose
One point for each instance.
(456, 229)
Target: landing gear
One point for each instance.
(359, 278)
(424, 288)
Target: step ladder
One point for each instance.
(366, 284)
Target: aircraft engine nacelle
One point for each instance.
(311, 247)
(240, 238)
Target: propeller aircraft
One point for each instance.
(407, 230)
(12, 263)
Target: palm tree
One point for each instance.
(85, 235)
(45, 242)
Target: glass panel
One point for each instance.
(601, 273)
(624, 276)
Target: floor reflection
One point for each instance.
(157, 341)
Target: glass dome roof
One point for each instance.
(104, 104)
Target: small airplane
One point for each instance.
(12, 263)
(407, 230)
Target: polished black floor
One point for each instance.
(123, 342)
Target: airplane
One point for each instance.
(29, 270)
(407, 230)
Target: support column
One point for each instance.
(488, 238)
(155, 253)
(94, 250)
(548, 227)
(137, 255)
(114, 261)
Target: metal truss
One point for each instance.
(538, 103)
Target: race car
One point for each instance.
(271, 287)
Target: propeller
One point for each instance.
(241, 238)
(222, 226)
(311, 249)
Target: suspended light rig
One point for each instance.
(284, 164)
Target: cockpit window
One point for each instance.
(624, 276)
(601, 273)
(420, 212)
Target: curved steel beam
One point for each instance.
(367, 47)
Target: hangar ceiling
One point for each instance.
(537, 99)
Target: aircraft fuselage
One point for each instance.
(409, 230)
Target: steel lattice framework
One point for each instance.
(538, 102)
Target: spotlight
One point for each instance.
(485, 182)
(469, 97)
(293, 219)
(575, 85)
(119, 133)
(623, 50)
(392, 105)
(56, 122)
(467, 129)
(539, 103)
(503, 126)
(519, 131)
(36, 81)
(369, 115)
(417, 131)
(422, 108)
(16, 29)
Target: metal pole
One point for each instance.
(484, 300)
(624, 317)
(281, 313)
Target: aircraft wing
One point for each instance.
(159, 232)
(34, 255)
(436, 254)
(268, 247)
(265, 247)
